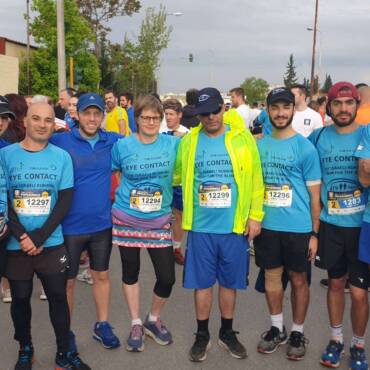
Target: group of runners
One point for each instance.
(301, 200)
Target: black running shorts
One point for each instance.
(98, 246)
(279, 248)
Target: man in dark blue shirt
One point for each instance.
(87, 225)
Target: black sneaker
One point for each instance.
(198, 352)
(229, 341)
(296, 346)
(272, 339)
(25, 358)
(69, 361)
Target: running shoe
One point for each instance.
(296, 346)
(7, 297)
(158, 331)
(228, 340)
(135, 341)
(103, 333)
(72, 342)
(70, 361)
(198, 351)
(358, 358)
(43, 296)
(332, 354)
(272, 339)
(25, 358)
(179, 258)
(85, 277)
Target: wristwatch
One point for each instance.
(315, 234)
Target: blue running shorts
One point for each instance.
(216, 257)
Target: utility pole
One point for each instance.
(61, 46)
(28, 49)
(312, 81)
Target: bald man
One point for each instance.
(40, 189)
(363, 112)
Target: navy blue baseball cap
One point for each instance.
(90, 100)
(280, 94)
(209, 100)
(4, 108)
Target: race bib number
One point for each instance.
(277, 195)
(32, 202)
(146, 201)
(346, 203)
(215, 195)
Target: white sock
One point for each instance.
(152, 318)
(358, 341)
(136, 322)
(277, 321)
(297, 327)
(176, 245)
(337, 333)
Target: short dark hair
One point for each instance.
(128, 96)
(70, 91)
(173, 104)
(192, 96)
(239, 91)
(106, 92)
(361, 84)
(301, 88)
(255, 104)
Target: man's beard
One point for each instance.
(344, 124)
(285, 126)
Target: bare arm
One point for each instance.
(364, 172)
(314, 191)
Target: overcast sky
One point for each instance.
(235, 39)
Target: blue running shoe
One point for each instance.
(72, 342)
(25, 358)
(158, 331)
(103, 333)
(69, 361)
(135, 341)
(358, 359)
(333, 352)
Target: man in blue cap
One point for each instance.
(87, 226)
(219, 168)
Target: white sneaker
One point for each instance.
(85, 277)
(43, 296)
(7, 297)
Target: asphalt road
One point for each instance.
(251, 320)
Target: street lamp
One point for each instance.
(314, 50)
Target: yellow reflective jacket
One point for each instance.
(246, 164)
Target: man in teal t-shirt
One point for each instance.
(344, 201)
(40, 188)
(289, 236)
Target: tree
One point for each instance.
(328, 83)
(290, 77)
(99, 12)
(132, 65)
(78, 35)
(255, 88)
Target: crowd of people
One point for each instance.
(95, 172)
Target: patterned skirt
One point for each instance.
(128, 236)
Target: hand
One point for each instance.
(27, 244)
(253, 229)
(37, 251)
(312, 248)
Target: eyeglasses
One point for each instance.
(147, 119)
(214, 113)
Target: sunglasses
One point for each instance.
(214, 112)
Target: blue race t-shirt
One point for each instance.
(34, 180)
(363, 152)
(3, 199)
(93, 140)
(342, 195)
(3, 143)
(289, 167)
(145, 190)
(215, 190)
(91, 206)
(264, 120)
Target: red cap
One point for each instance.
(349, 92)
